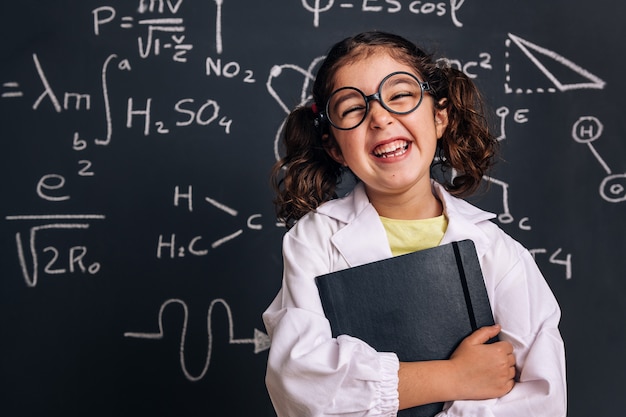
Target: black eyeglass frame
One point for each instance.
(424, 87)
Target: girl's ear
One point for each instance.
(441, 117)
(332, 149)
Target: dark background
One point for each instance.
(69, 342)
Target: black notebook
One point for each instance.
(420, 305)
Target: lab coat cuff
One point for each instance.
(389, 401)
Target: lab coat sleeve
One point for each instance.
(529, 314)
(310, 373)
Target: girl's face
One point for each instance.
(390, 153)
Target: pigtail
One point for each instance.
(467, 145)
(306, 176)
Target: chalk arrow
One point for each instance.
(261, 341)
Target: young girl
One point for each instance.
(382, 110)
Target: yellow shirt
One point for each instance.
(407, 236)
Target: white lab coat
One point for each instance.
(310, 373)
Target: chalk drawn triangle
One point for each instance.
(537, 53)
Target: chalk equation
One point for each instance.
(167, 33)
(483, 61)
(188, 111)
(416, 7)
(77, 262)
(260, 340)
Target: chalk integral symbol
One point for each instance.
(551, 63)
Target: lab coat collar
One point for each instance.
(465, 221)
(363, 238)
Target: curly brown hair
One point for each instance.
(306, 176)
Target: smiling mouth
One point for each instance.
(392, 149)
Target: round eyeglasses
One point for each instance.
(399, 93)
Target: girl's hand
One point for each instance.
(475, 371)
(483, 370)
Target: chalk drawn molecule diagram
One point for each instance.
(252, 223)
(586, 130)
(305, 97)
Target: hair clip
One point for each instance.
(315, 109)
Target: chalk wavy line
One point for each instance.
(260, 340)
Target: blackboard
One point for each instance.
(139, 242)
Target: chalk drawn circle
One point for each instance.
(613, 188)
(505, 218)
(587, 124)
(502, 111)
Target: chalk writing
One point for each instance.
(417, 7)
(307, 79)
(260, 340)
(483, 62)
(518, 117)
(229, 70)
(152, 45)
(536, 54)
(76, 254)
(13, 92)
(169, 244)
(566, 261)
(218, 26)
(586, 130)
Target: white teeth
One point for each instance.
(389, 150)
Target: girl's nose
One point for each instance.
(379, 116)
